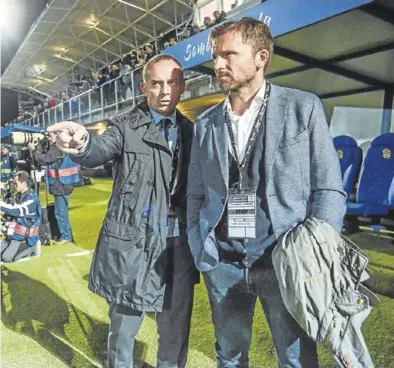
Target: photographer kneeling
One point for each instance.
(22, 237)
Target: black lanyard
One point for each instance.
(256, 130)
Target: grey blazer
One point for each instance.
(301, 170)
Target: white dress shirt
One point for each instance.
(242, 125)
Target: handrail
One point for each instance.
(95, 107)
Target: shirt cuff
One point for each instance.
(82, 149)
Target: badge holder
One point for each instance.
(172, 227)
(241, 213)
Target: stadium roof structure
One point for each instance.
(341, 50)
(88, 34)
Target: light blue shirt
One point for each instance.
(172, 223)
(172, 131)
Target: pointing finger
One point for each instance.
(60, 127)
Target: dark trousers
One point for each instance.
(14, 250)
(173, 323)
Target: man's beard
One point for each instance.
(235, 86)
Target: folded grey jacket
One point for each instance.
(320, 274)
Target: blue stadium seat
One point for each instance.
(350, 158)
(375, 192)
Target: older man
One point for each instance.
(142, 262)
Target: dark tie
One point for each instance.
(165, 124)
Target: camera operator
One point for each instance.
(22, 237)
(62, 175)
(8, 164)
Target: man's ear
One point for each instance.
(183, 86)
(143, 88)
(262, 58)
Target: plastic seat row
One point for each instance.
(375, 174)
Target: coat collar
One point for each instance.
(141, 115)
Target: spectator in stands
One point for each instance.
(137, 75)
(104, 78)
(49, 102)
(133, 60)
(64, 100)
(92, 80)
(86, 85)
(173, 41)
(207, 23)
(62, 175)
(40, 108)
(114, 74)
(125, 78)
(166, 45)
(22, 237)
(219, 17)
(46, 104)
(114, 71)
(52, 102)
(95, 94)
(64, 97)
(291, 131)
(149, 52)
(141, 58)
(142, 262)
(74, 101)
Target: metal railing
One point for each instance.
(110, 99)
(96, 104)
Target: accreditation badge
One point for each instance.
(241, 213)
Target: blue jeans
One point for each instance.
(233, 291)
(62, 218)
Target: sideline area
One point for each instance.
(50, 319)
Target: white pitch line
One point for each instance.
(64, 341)
(79, 254)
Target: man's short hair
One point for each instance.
(156, 59)
(254, 32)
(24, 177)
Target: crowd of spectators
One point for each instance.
(118, 73)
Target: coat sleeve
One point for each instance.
(49, 157)
(328, 198)
(13, 165)
(26, 209)
(101, 149)
(195, 193)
